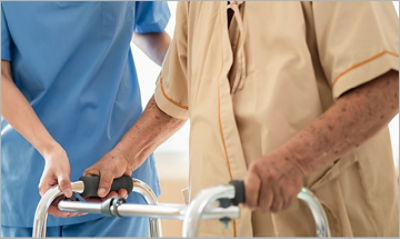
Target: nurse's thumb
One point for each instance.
(65, 185)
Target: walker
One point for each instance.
(202, 207)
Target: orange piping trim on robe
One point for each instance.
(226, 153)
(169, 99)
(363, 63)
(220, 127)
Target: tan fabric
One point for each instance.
(250, 88)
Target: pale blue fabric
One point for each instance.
(73, 63)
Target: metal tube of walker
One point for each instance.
(209, 195)
(40, 219)
(318, 212)
(197, 207)
(162, 211)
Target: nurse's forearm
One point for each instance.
(19, 113)
(152, 129)
(154, 45)
(353, 119)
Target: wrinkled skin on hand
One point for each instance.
(112, 165)
(272, 182)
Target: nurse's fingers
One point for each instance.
(65, 185)
(53, 210)
(43, 187)
(92, 199)
(252, 187)
(106, 179)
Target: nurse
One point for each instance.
(69, 93)
(283, 95)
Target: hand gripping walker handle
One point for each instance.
(316, 208)
(91, 185)
(239, 192)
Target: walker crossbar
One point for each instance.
(201, 207)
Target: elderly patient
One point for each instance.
(283, 95)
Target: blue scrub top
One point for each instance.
(73, 63)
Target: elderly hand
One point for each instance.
(56, 171)
(272, 182)
(112, 165)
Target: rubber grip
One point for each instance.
(91, 185)
(239, 192)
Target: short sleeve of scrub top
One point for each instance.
(171, 93)
(151, 17)
(5, 39)
(357, 42)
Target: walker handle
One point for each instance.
(91, 185)
(239, 192)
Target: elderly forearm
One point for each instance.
(152, 129)
(154, 45)
(354, 118)
(20, 114)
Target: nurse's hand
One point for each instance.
(56, 171)
(272, 182)
(112, 165)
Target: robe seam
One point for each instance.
(362, 63)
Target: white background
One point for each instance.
(177, 146)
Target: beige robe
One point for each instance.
(250, 88)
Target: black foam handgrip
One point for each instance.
(239, 192)
(91, 184)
